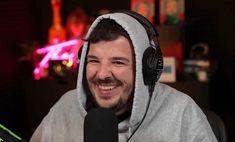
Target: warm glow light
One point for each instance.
(69, 63)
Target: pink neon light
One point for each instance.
(61, 51)
(53, 51)
(60, 45)
(36, 73)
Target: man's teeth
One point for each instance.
(106, 87)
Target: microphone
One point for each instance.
(100, 125)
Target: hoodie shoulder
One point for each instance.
(171, 99)
(67, 102)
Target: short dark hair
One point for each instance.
(107, 30)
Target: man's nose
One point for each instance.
(104, 71)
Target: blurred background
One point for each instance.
(40, 40)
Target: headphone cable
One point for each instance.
(150, 90)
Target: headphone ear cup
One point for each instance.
(152, 65)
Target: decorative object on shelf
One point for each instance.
(174, 49)
(145, 8)
(198, 65)
(171, 12)
(57, 32)
(77, 23)
(169, 70)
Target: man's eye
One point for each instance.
(119, 62)
(92, 61)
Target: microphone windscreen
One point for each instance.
(100, 125)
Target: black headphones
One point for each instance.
(152, 60)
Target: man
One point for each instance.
(110, 76)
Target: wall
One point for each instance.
(213, 22)
(15, 28)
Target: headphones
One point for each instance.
(152, 60)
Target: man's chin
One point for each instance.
(105, 101)
(118, 107)
(106, 105)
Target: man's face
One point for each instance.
(110, 73)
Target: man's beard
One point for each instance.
(92, 102)
(121, 105)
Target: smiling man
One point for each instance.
(119, 70)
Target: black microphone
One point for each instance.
(100, 125)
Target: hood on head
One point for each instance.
(140, 42)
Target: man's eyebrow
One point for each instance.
(91, 56)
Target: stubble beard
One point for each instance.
(121, 106)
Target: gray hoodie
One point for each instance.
(172, 115)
